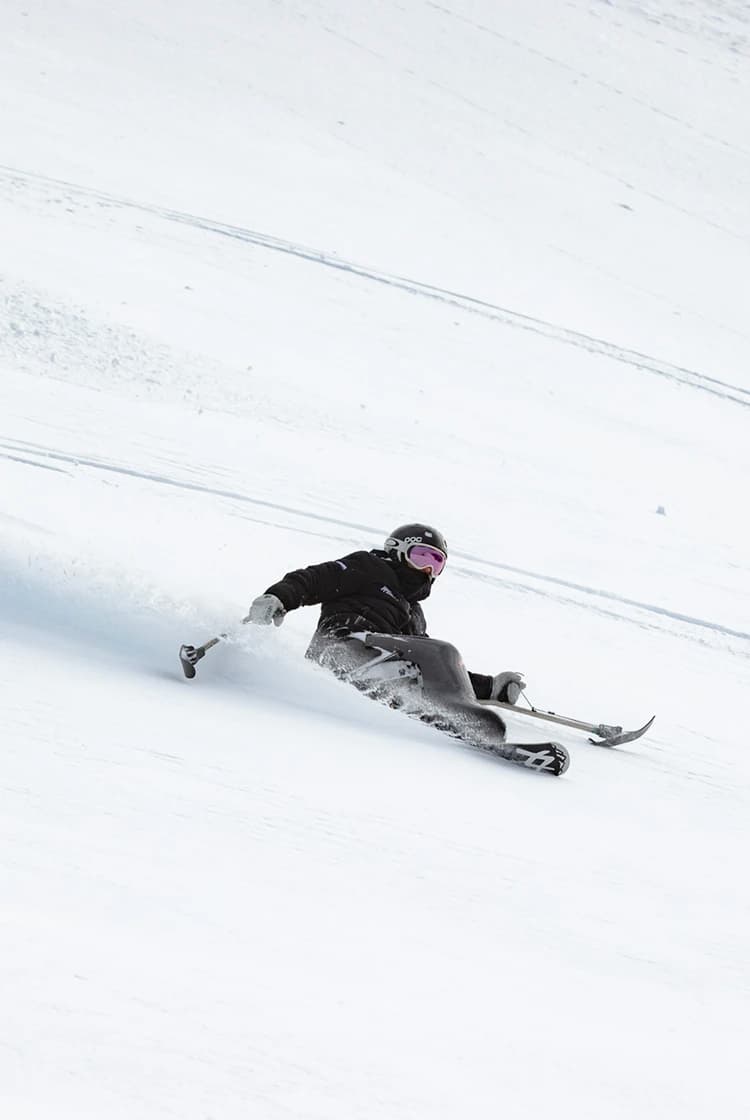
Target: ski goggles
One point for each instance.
(424, 556)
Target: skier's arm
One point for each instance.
(320, 582)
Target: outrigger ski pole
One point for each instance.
(190, 655)
(610, 736)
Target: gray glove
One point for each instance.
(507, 687)
(266, 609)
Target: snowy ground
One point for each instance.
(273, 279)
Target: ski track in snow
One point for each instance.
(16, 177)
(654, 612)
(598, 83)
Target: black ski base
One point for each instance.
(551, 758)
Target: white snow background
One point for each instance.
(275, 277)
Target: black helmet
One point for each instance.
(403, 539)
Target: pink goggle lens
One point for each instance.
(423, 556)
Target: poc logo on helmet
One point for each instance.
(392, 542)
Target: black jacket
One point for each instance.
(365, 591)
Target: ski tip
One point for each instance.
(552, 758)
(624, 737)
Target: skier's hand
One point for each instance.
(507, 687)
(266, 609)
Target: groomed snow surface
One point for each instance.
(274, 278)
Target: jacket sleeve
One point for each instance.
(481, 684)
(320, 583)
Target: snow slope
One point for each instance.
(274, 278)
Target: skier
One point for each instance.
(372, 633)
